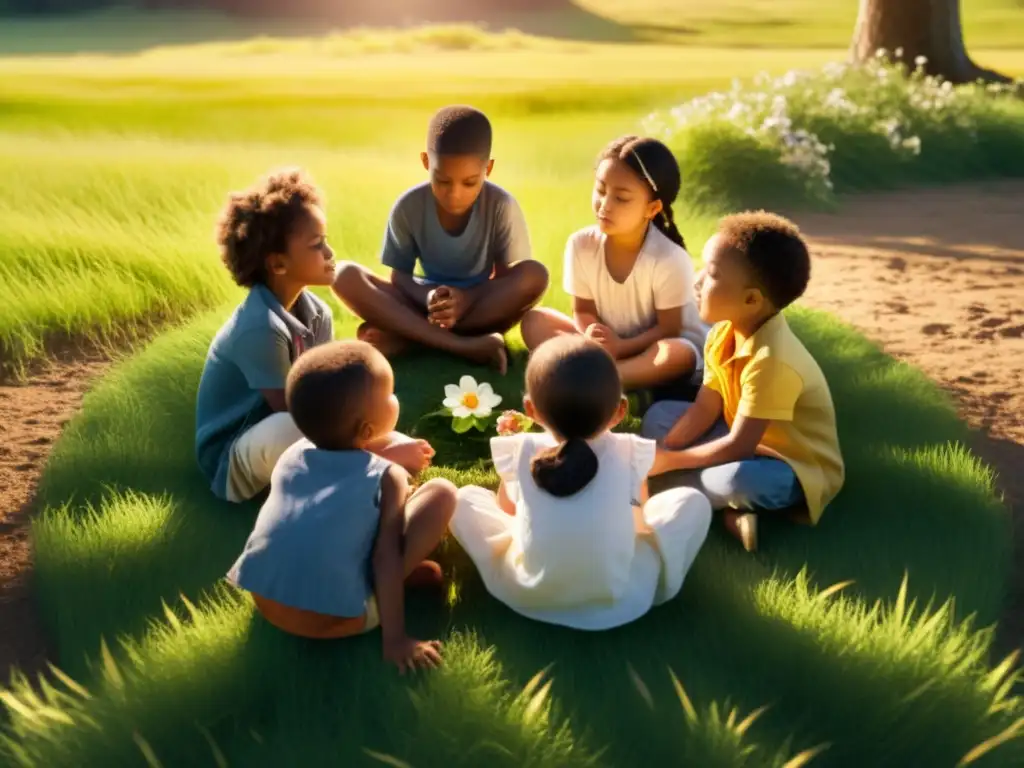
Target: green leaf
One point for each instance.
(461, 425)
(481, 422)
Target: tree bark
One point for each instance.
(929, 28)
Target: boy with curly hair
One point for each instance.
(273, 241)
(761, 436)
(470, 238)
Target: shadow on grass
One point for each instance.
(910, 506)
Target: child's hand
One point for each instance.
(413, 455)
(446, 306)
(604, 336)
(409, 653)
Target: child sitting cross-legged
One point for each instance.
(571, 537)
(629, 275)
(340, 536)
(761, 435)
(470, 238)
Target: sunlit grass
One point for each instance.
(111, 175)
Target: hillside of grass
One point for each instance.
(112, 170)
(864, 641)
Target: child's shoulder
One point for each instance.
(255, 314)
(415, 198)
(585, 240)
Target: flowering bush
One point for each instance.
(806, 134)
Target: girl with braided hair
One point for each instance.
(629, 275)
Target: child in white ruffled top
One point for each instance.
(571, 537)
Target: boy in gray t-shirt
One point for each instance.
(471, 241)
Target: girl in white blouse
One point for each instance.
(571, 537)
(629, 275)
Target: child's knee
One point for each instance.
(533, 278)
(734, 485)
(348, 276)
(442, 496)
(661, 417)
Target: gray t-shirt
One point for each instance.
(253, 350)
(496, 233)
(312, 545)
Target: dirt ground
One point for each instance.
(935, 276)
(31, 418)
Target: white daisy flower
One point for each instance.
(470, 398)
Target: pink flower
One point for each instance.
(510, 423)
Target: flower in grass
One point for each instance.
(470, 398)
(513, 422)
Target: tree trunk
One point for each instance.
(929, 28)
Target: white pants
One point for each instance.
(255, 453)
(678, 519)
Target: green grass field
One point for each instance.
(111, 174)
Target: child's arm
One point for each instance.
(768, 392)
(389, 578)
(408, 287)
(584, 313)
(504, 501)
(741, 443)
(670, 325)
(411, 454)
(698, 419)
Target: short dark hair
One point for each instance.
(327, 390)
(774, 250)
(258, 222)
(459, 130)
(575, 387)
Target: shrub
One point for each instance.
(803, 136)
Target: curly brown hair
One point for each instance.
(774, 250)
(258, 222)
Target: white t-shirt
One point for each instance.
(577, 549)
(662, 278)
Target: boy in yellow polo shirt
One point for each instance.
(761, 435)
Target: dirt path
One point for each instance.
(937, 277)
(31, 417)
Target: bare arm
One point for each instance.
(504, 501)
(670, 325)
(388, 563)
(741, 443)
(584, 313)
(409, 288)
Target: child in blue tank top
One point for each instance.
(340, 536)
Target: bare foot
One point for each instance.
(488, 350)
(388, 344)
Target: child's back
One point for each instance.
(576, 549)
(312, 543)
(565, 540)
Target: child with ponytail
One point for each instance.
(629, 275)
(571, 537)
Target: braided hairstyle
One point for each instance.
(656, 166)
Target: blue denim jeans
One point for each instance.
(760, 483)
